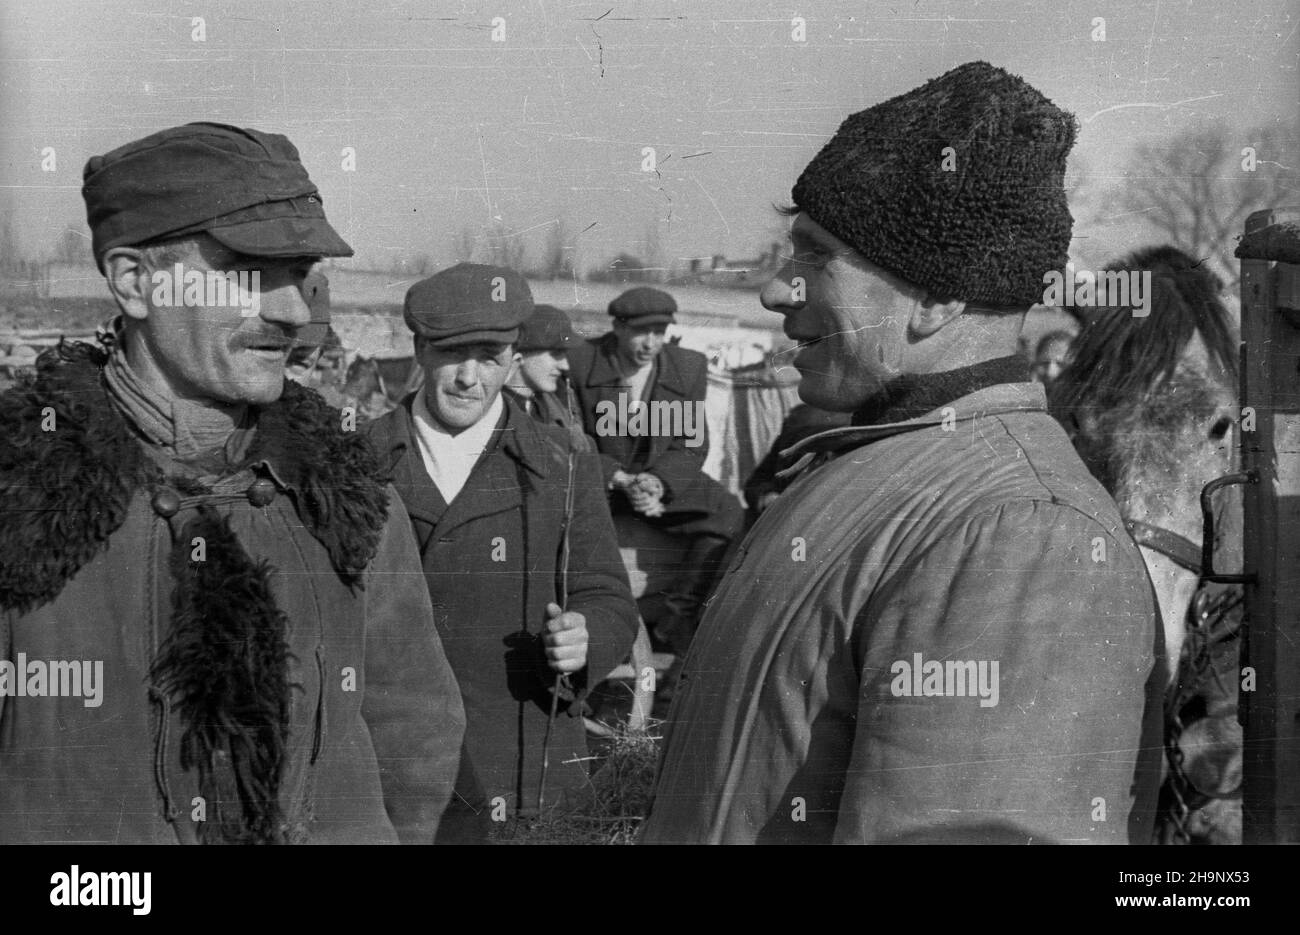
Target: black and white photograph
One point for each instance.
(570, 423)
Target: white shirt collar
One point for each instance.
(450, 459)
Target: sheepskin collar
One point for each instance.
(70, 467)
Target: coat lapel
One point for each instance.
(670, 381)
(514, 456)
(394, 437)
(604, 372)
(669, 386)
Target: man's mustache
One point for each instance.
(276, 340)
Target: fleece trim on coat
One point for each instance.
(224, 663)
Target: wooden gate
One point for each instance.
(1270, 707)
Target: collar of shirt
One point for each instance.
(639, 382)
(449, 458)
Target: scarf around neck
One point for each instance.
(914, 394)
(185, 430)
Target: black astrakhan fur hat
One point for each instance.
(981, 223)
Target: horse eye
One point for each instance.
(1220, 428)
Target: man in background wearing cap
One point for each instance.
(961, 643)
(315, 337)
(657, 477)
(518, 546)
(537, 383)
(233, 592)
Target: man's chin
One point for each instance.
(830, 398)
(253, 393)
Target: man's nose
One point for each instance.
(285, 306)
(467, 374)
(778, 295)
(562, 365)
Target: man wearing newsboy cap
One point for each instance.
(540, 383)
(656, 476)
(940, 631)
(518, 546)
(207, 557)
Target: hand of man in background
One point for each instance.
(646, 494)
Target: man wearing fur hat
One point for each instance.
(213, 627)
(941, 631)
(518, 546)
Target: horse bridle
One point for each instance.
(1178, 549)
(1198, 559)
(1210, 614)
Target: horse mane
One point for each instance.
(1123, 375)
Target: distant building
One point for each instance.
(718, 271)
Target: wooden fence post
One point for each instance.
(1270, 704)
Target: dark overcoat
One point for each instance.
(492, 563)
(694, 501)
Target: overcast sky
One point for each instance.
(453, 130)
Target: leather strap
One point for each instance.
(1176, 548)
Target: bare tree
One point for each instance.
(557, 253)
(506, 247)
(73, 247)
(422, 265)
(656, 258)
(465, 246)
(18, 276)
(1196, 189)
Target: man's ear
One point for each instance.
(931, 314)
(128, 281)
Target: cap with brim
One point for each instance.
(245, 188)
(476, 337)
(644, 306)
(653, 319)
(468, 303)
(547, 329)
(296, 227)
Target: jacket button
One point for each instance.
(262, 492)
(166, 502)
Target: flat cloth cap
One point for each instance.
(644, 306)
(469, 303)
(547, 329)
(982, 221)
(247, 189)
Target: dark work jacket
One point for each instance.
(491, 562)
(681, 376)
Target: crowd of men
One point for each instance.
(317, 630)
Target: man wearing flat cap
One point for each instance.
(654, 467)
(962, 644)
(538, 383)
(211, 614)
(518, 546)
